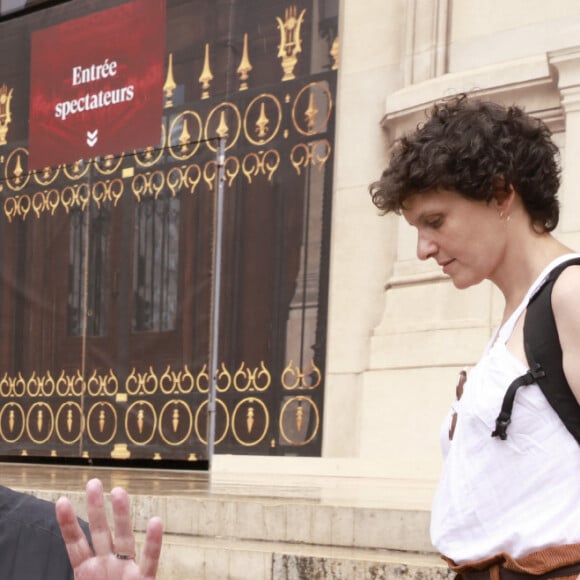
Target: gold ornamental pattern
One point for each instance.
(170, 405)
(171, 166)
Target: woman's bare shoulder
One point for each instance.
(566, 291)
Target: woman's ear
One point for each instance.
(503, 197)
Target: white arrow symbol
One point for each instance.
(92, 137)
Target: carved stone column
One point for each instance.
(567, 64)
(426, 40)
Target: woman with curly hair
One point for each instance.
(479, 182)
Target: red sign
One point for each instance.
(97, 84)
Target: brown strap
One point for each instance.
(571, 572)
(536, 563)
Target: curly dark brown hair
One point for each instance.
(479, 149)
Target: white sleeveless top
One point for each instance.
(515, 496)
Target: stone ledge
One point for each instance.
(223, 559)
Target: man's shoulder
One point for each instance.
(31, 544)
(23, 509)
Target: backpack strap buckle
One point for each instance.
(501, 425)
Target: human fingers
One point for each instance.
(98, 524)
(151, 549)
(77, 545)
(124, 538)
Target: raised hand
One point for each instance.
(113, 558)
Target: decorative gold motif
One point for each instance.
(245, 66)
(257, 379)
(224, 120)
(15, 173)
(311, 113)
(12, 386)
(182, 382)
(315, 153)
(186, 176)
(223, 379)
(142, 414)
(72, 197)
(46, 176)
(70, 385)
(210, 172)
(203, 380)
(262, 128)
(180, 415)
(264, 162)
(296, 416)
(222, 129)
(249, 419)
(142, 383)
(5, 113)
(12, 428)
(185, 137)
(222, 421)
(148, 184)
(18, 171)
(182, 144)
(102, 385)
(121, 451)
(39, 423)
(206, 76)
(231, 169)
(294, 377)
(334, 53)
(290, 41)
(149, 156)
(78, 169)
(108, 164)
(110, 190)
(251, 406)
(102, 422)
(169, 86)
(308, 104)
(262, 122)
(72, 410)
(44, 201)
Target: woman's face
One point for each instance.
(465, 237)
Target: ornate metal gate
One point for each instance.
(107, 274)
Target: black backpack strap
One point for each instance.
(544, 354)
(505, 416)
(543, 351)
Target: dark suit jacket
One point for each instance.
(31, 545)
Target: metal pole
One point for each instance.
(216, 291)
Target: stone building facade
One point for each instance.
(399, 332)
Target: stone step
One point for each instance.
(263, 527)
(223, 559)
(285, 520)
(255, 538)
